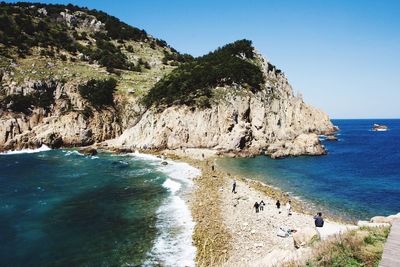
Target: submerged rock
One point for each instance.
(91, 151)
(331, 138)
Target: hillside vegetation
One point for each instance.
(40, 42)
(98, 92)
(191, 82)
(77, 30)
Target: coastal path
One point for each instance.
(391, 251)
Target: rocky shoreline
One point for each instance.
(228, 231)
(218, 240)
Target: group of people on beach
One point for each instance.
(259, 206)
(288, 207)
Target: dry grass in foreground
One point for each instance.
(362, 247)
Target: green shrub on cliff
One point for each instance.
(192, 81)
(176, 57)
(24, 26)
(18, 103)
(43, 98)
(98, 92)
(107, 54)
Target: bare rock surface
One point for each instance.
(271, 121)
(385, 219)
(61, 124)
(239, 121)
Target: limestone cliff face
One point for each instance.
(64, 123)
(272, 120)
(248, 106)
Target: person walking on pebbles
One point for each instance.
(234, 187)
(278, 205)
(289, 208)
(256, 206)
(262, 204)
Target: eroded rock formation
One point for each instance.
(63, 123)
(271, 121)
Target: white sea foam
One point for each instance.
(172, 185)
(73, 152)
(181, 171)
(144, 156)
(27, 151)
(173, 246)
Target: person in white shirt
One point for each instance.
(289, 208)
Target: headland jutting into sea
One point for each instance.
(75, 77)
(225, 227)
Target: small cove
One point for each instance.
(358, 179)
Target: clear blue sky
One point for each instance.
(343, 56)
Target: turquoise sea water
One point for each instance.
(358, 179)
(60, 208)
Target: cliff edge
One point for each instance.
(236, 117)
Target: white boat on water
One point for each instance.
(380, 128)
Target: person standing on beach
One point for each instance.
(278, 205)
(289, 208)
(262, 204)
(234, 187)
(256, 206)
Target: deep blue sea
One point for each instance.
(60, 208)
(358, 179)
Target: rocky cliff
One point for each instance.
(271, 120)
(231, 100)
(64, 123)
(48, 51)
